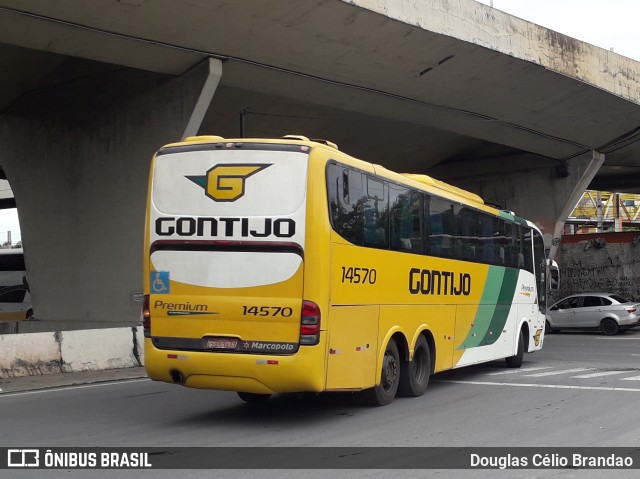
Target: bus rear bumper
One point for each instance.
(253, 373)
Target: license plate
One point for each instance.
(220, 343)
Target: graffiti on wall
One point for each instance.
(614, 271)
(574, 280)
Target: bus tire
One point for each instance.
(516, 360)
(253, 398)
(383, 393)
(414, 374)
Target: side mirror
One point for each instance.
(554, 275)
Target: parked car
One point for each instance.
(610, 313)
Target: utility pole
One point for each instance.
(599, 217)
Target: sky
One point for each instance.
(9, 222)
(605, 23)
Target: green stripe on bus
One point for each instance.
(508, 216)
(503, 306)
(486, 309)
(520, 221)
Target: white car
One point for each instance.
(610, 313)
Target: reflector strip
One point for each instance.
(266, 361)
(176, 356)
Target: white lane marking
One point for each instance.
(523, 370)
(550, 386)
(633, 378)
(67, 388)
(556, 373)
(616, 338)
(597, 375)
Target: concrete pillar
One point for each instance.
(214, 73)
(545, 195)
(77, 156)
(582, 169)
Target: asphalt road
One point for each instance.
(582, 389)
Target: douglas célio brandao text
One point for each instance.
(550, 460)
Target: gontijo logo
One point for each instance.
(226, 182)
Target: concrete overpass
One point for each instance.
(524, 116)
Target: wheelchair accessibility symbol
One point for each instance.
(160, 282)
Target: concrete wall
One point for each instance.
(600, 262)
(70, 351)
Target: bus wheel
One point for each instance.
(253, 398)
(383, 393)
(414, 374)
(516, 361)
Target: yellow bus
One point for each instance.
(285, 265)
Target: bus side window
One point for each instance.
(526, 249)
(376, 214)
(466, 234)
(510, 246)
(405, 211)
(345, 187)
(486, 240)
(440, 227)
(346, 201)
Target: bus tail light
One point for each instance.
(310, 323)
(146, 317)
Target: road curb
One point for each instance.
(45, 382)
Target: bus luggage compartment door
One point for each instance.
(353, 345)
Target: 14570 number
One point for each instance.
(359, 275)
(266, 311)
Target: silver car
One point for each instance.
(610, 313)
